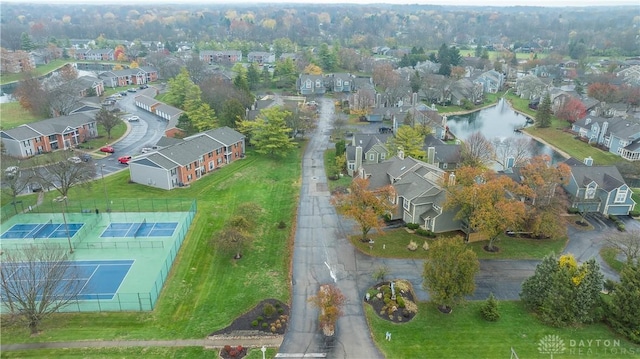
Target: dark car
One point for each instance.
(123, 93)
(86, 157)
(142, 87)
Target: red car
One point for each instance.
(124, 159)
(107, 149)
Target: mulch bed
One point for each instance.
(245, 323)
(392, 310)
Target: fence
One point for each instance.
(121, 245)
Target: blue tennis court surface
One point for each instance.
(100, 279)
(41, 230)
(140, 229)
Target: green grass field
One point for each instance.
(395, 244)
(205, 290)
(150, 352)
(464, 334)
(13, 115)
(39, 71)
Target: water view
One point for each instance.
(497, 122)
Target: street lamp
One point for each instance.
(61, 199)
(104, 185)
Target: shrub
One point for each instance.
(268, 310)
(573, 210)
(400, 302)
(280, 310)
(609, 285)
(254, 323)
(635, 213)
(260, 318)
(380, 273)
(265, 325)
(227, 348)
(233, 353)
(277, 305)
(422, 232)
(425, 246)
(386, 289)
(620, 226)
(282, 225)
(413, 226)
(410, 306)
(402, 285)
(412, 246)
(372, 293)
(489, 310)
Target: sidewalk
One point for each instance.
(217, 342)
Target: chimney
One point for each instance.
(431, 155)
(510, 162)
(358, 157)
(400, 154)
(588, 161)
(378, 100)
(414, 99)
(452, 179)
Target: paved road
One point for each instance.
(323, 255)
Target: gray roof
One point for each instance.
(149, 101)
(165, 141)
(157, 159)
(368, 140)
(225, 135)
(168, 109)
(607, 177)
(189, 151)
(56, 125)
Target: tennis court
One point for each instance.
(99, 279)
(140, 229)
(41, 230)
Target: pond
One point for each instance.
(498, 122)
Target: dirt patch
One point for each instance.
(270, 316)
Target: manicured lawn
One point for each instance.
(205, 290)
(330, 160)
(395, 246)
(116, 133)
(117, 353)
(575, 148)
(464, 334)
(39, 71)
(13, 115)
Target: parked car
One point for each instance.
(75, 159)
(123, 93)
(146, 149)
(124, 159)
(134, 119)
(132, 90)
(142, 87)
(86, 157)
(107, 149)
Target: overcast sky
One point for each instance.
(425, 2)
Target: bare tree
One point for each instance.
(37, 281)
(628, 243)
(108, 120)
(14, 182)
(63, 92)
(32, 96)
(517, 148)
(197, 69)
(60, 173)
(477, 151)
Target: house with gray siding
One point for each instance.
(419, 195)
(619, 135)
(366, 148)
(311, 85)
(598, 189)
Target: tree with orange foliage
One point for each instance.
(312, 69)
(602, 92)
(365, 206)
(542, 180)
(119, 53)
(490, 204)
(329, 301)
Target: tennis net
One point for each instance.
(135, 234)
(41, 229)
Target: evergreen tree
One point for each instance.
(269, 133)
(253, 76)
(415, 81)
(178, 88)
(625, 303)
(543, 115)
(265, 77)
(478, 51)
(26, 42)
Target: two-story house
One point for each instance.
(95, 55)
(419, 194)
(491, 81)
(366, 148)
(445, 156)
(619, 135)
(185, 161)
(128, 77)
(341, 82)
(220, 56)
(48, 135)
(311, 85)
(598, 188)
(261, 57)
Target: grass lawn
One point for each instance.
(13, 115)
(116, 132)
(464, 334)
(205, 290)
(395, 246)
(39, 71)
(150, 352)
(609, 256)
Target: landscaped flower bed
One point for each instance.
(393, 301)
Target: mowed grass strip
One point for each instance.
(13, 115)
(205, 290)
(131, 352)
(464, 334)
(393, 244)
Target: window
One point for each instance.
(621, 195)
(210, 166)
(188, 167)
(189, 178)
(173, 172)
(217, 151)
(437, 208)
(590, 193)
(210, 154)
(444, 166)
(405, 204)
(372, 156)
(383, 155)
(352, 166)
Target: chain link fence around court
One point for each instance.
(121, 301)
